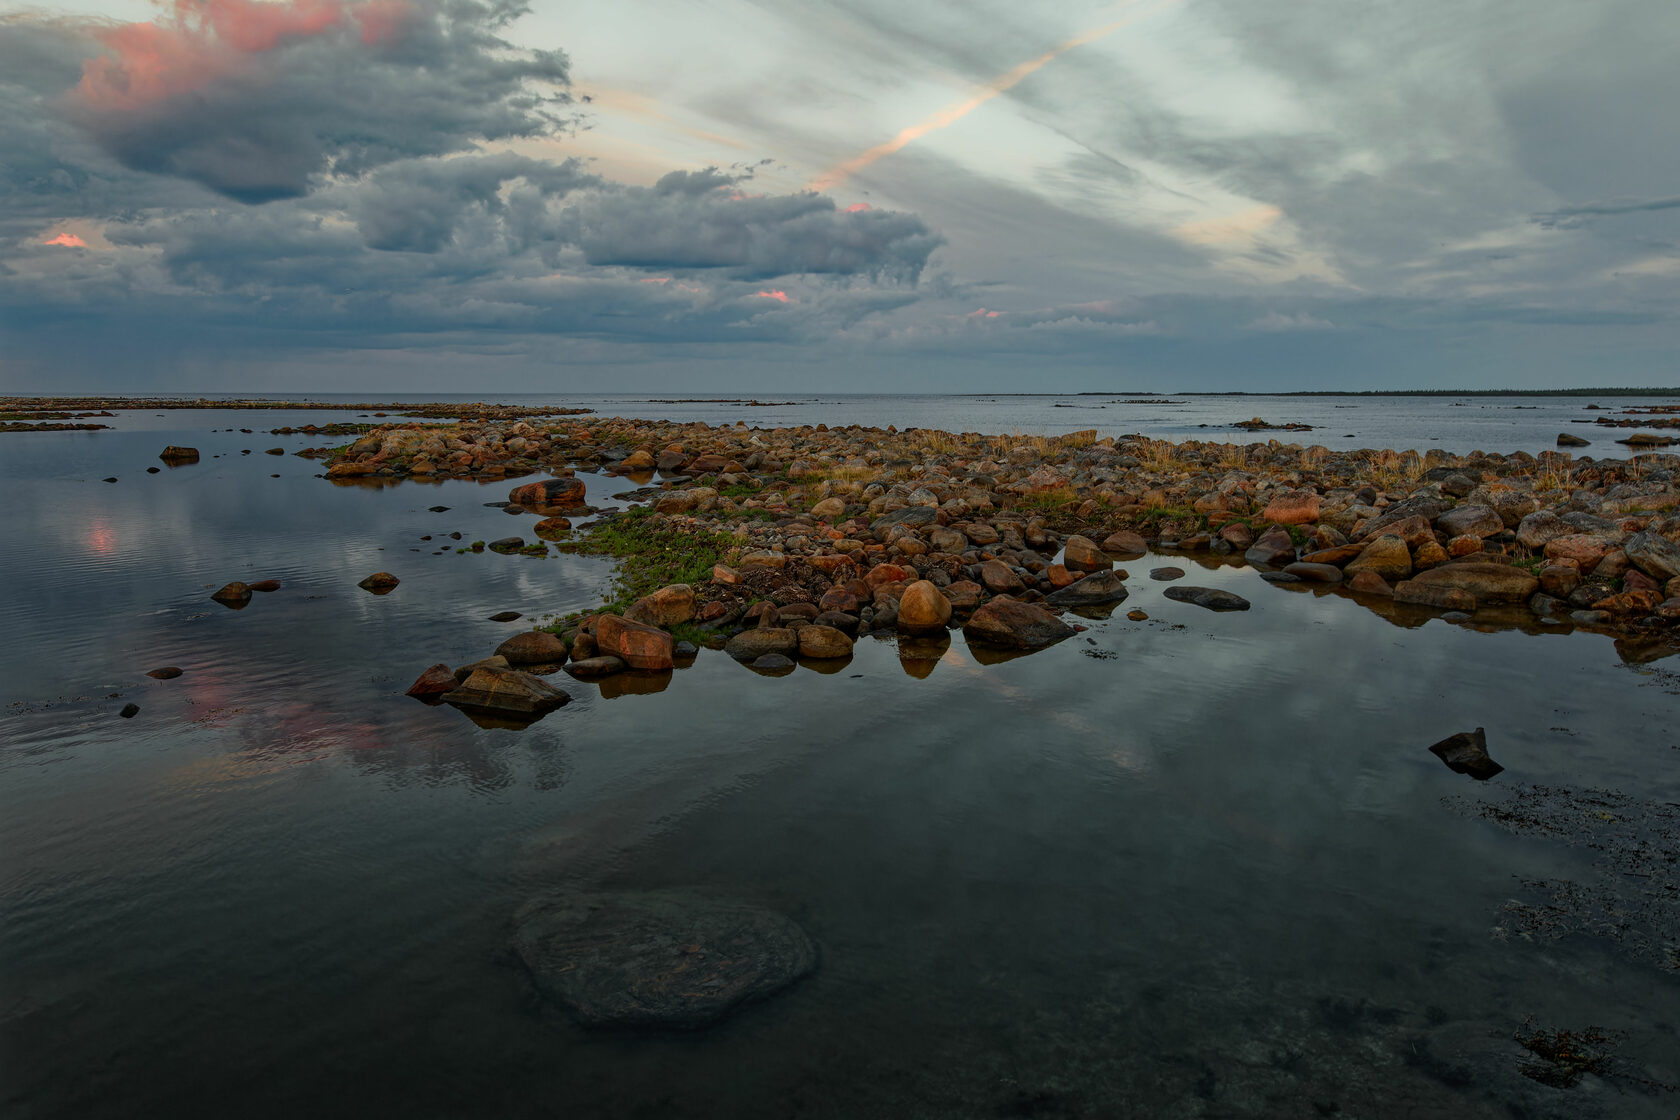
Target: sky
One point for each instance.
(827, 196)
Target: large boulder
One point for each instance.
(1540, 528)
(923, 608)
(828, 509)
(379, 583)
(670, 606)
(1292, 507)
(1125, 543)
(1466, 753)
(1653, 554)
(1092, 591)
(750, 645)
(1486, 580)
(637, 644)
(1469, 520)
(533, 647)
(1386, 556)
(999, 578)
(234, 595)
(554, 495)
(823, 642)
(1081, 554)
(506, 690)
(658, 958)
(175, 456)
(1005, 622)
(1274, 548)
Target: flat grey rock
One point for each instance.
(1210, 597)
(657, 958)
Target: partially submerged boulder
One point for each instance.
(1466, 753)
(1005, 622)
(379, 583)
(1092, 591)
(533, 647)
(657, 958)
(639, 645)
(233, 595)
(506, 690)
(1210, 597)
(433, 683)
(553, 495)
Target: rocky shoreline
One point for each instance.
(823, 534)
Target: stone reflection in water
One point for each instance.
(919, 657)
(634, 682)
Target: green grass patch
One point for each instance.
(649, 555)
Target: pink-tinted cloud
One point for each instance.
(858, 207)
(982, 313)
(203, 40)
(69, 240)
(778, 295)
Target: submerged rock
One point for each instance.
(1210, 597)
(165, 673)
(434, 682)
(175, 456)
(233, 595)
(379, 583)
(1466, 753)
(129, 711)
(657, 958)
(1092, 591)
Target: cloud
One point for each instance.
(257, 100)
(1572, 217)
(701, 220)
(1276, 321)
(69, 240)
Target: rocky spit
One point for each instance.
(836, 532)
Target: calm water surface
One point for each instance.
(1196, 866)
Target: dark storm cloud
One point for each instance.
(705, 220)
(1571, 217)
(257, 112)
(419, 205)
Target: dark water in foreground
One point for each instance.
(1195, 866)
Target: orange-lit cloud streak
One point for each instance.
(951, 114)
(69, 240)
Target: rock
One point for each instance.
(1655, 555)
(1431, 595)
(436, 681)
(725, 575)
(1137, 616)
(1292, 507)
(763, 558)
(828, 509)
(823, 641)
(506, 690)
(166, 673)
(175, 456)
(533, 647)
(669, 606)
(750, 645)
(550, 527)
(637, 644)
(1238, 535)
(1468, 520)
(1210, 597)
(1370, 583)
(1315, 573)
(554, 495)
(638, 461)
(233, 594)
(1274, 548)
(1280, 577)
(1082, 554)
(1424, 506)
(505, 616)
(1167, 574)
(772, 664)
(657, 958)
(1126, 543)
(603, 665)
(507, 544)
(129, 711)
(1386, 556)
(999, 578)
(1540, 528)
(1565, 439)
(1092, 591)
(1005, 622)
(1488, 581)
(265, 585)
(923, 608)
(438, 509)
(1466, 753)
(912, 517)
(1585, 550)
(379, 583)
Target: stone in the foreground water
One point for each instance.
(1014, 625)
(166, 673)
(1104, 587)
(379, 583)
(129, 711)
(1466, 753)
(233, 595)
(1210, 597)
(434, 682)
(657, 958)
(506, 690)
